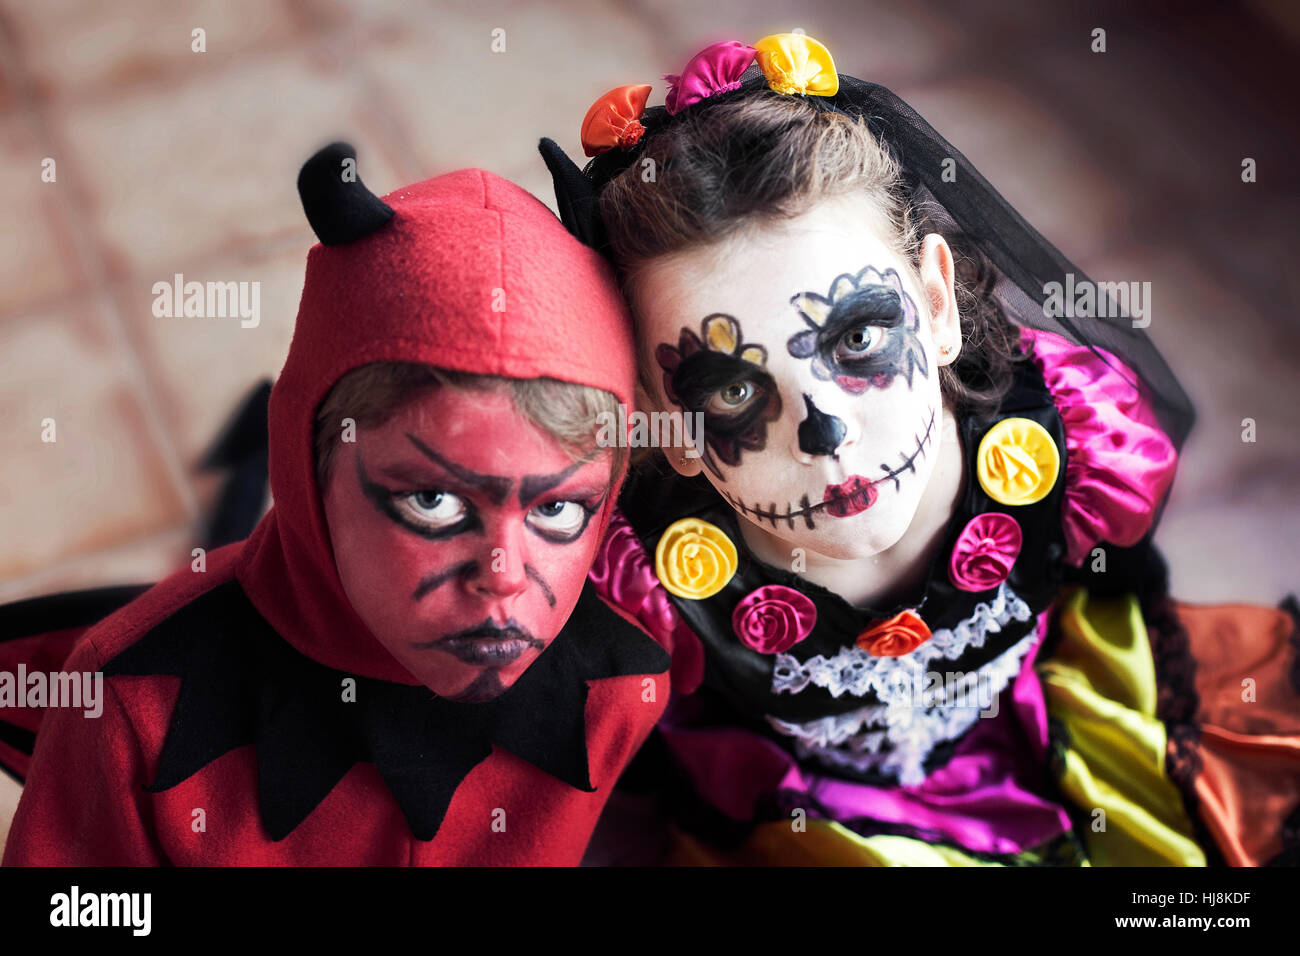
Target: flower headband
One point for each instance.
(793, 63)
(799, 65)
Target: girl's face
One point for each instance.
(814, 356)
(462, 536)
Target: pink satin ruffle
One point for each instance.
(624, 575)
(1120, 463)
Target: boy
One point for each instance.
(404, 663)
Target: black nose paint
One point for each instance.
(819, 433)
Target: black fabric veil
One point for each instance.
(1025, 262)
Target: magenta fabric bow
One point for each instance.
(985, 551)
(714, 69)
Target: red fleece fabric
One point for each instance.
(471, 274)
(85, 802)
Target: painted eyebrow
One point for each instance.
(878, 301)
(533, 485)
(496, 487)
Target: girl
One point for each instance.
(909, 571)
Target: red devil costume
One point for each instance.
(225, 737)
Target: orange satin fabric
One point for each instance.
(614, 120)
(1249, 749)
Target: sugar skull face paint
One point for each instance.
(719, 375)
(462, 536)
(863, 333)
(843, 419)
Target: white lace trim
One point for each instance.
(856, 672)
(919, 708)
(914, 721)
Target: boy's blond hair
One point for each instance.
(371, 394)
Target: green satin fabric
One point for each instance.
(1101, 685)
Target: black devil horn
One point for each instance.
(338, 205)
(575, 196)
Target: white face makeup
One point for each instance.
(814, 355)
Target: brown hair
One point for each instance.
(372, 394)
(772, 156)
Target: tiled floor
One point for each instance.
(173, 161)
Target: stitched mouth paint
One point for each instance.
(850, 497)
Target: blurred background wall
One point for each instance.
(168, 160)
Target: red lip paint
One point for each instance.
(852, 497)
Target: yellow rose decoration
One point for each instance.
(695, 559)
(795, 63)
(1017, 462)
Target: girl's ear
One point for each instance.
(939, 279)
(684, 465)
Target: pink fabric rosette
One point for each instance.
(985, 551)
(714, 69)
(773, 618)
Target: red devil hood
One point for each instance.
(465, 271)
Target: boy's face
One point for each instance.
(463, 535)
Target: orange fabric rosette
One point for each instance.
(614, 120)
(899, 635)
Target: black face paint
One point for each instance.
(862, 334)
(819, 433)
(385, 499)
(491, 646)
(536, 577)
(556, 536)
(806, 510)
(431, 582)
(487, 686)
(909, 461)
(533, 486)
(723, 378)
(495, 487)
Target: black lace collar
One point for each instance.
(241, 684)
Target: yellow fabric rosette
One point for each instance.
(794, 63)
(1017, 462)
(695, 559)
